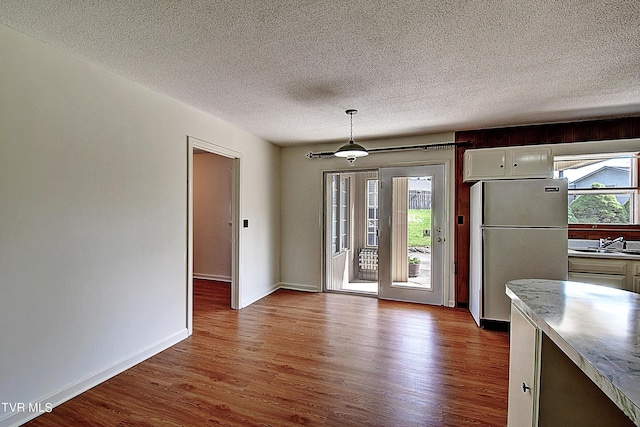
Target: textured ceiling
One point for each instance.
(286, 70)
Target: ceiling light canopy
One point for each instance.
(351, 151)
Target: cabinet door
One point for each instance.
(522, 370)
(636, 284)
(610, 280)
(531, 163)
(484, 164)
(602, 265)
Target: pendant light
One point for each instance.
(351, 151)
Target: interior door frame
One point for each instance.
(236, 288)
(384, 228)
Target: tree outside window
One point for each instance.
(598, 209)
(603, 188)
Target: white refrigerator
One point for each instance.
(518, 230)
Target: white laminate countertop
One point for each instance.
(596, 326)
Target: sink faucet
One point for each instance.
(606, 243)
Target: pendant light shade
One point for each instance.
(351, 151)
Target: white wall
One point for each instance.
(302, 193)
(212, 216)
(93, 217)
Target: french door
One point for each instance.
(384, 233)
(411, 239)
(351, 239)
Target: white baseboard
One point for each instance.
(67, 393)
(297, 287)
(215, 277)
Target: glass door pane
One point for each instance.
(411, 228)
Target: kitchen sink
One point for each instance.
(611, 247)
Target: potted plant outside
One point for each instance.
(414, 266)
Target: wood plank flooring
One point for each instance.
(311, 359)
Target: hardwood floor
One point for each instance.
(311, 359)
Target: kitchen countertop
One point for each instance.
(610, 255)
(597, 327)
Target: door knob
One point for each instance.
(439, 239)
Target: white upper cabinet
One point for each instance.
(508, 163)
(488, 163)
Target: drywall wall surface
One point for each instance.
(93, 221)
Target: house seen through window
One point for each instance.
(603, 188)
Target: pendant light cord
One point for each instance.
(351, 112)
(351, 128)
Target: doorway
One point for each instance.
(351, 232)
(230, 159)
(212, 220)
(384, 233)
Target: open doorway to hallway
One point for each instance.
(213, 205)
(212, 221)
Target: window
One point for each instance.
(603, 188)
(344, 213)
(339, 213)
(372, 212)
(334, 213)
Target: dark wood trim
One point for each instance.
(582, 231)
(593, 130)
(461, 232)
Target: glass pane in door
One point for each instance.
(411, 232)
